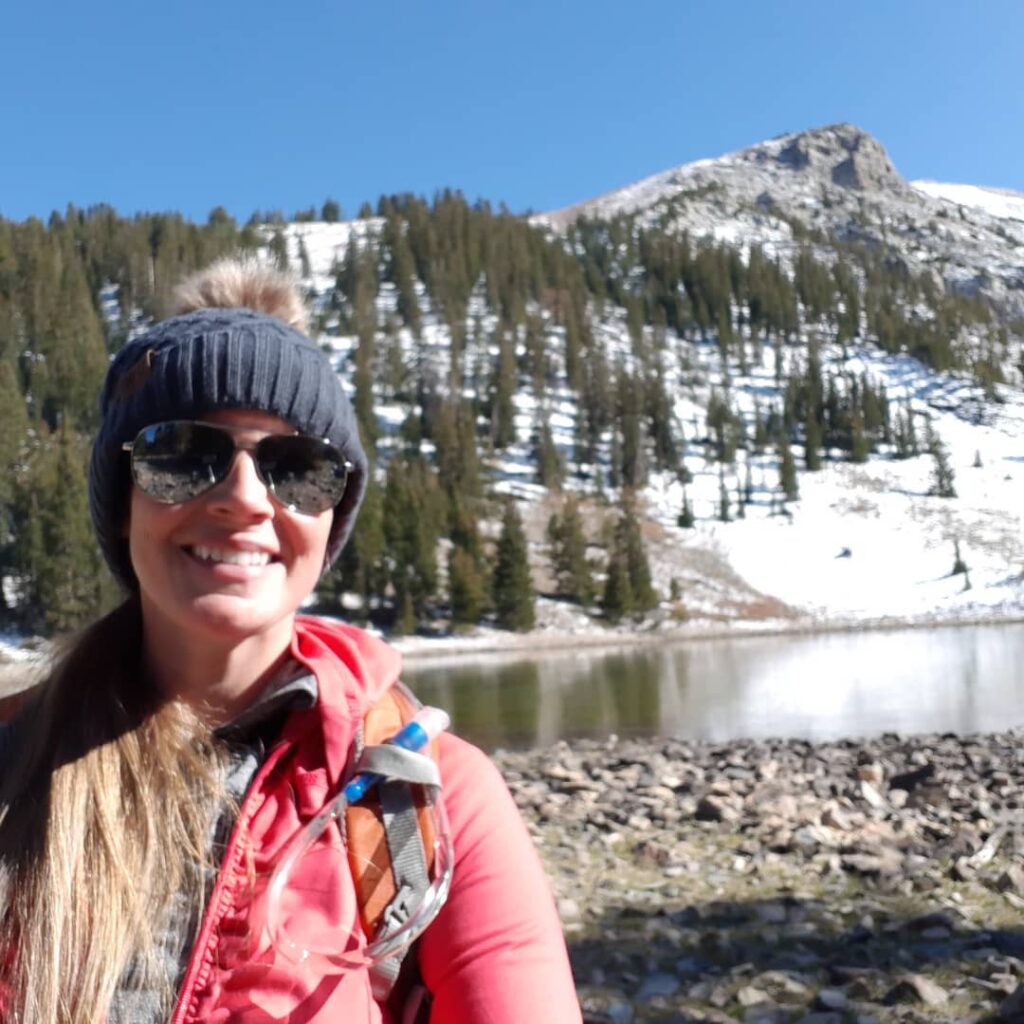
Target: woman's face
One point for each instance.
(231, 564)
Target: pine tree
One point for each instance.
(502, 393)
(413, 512)
(405, 621)
(942, 472)
(13, 440)
(686, 519)
(57, 551)
(569, 554)
(632, 463)
(305, 267)
(629, 556)
(401, 269)
(360, 568)
(550, 471)
(959, 565)
(723, 498)
(617, 602)
(452, 429)
(905, 434)
(512, 587)
(860, 446)
(278, 246)
(812, 441)
(787, 471)
(761, 433)
(467, 587)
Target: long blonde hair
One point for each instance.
(107, 800)
(109, 793)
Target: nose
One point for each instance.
(242, 493)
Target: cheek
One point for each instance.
(315, 537)
(146, 523)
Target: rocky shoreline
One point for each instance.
(772, 882)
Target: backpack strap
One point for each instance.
(390, 837)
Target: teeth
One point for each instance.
(254, 558)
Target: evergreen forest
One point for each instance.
(467, 335)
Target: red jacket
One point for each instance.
(495, 953)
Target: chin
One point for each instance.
(233, 620)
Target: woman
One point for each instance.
(156, 781)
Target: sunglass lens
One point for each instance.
(179, 460)
(304, 473)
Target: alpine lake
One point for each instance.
(954, 679)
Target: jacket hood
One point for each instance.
(353, 669)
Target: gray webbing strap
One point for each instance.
(401, 769)
(399, 765)
(409, 864)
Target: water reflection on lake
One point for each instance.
(963, 679)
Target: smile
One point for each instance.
(227, 557)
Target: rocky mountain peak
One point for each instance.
(843, 155)
(836, 185)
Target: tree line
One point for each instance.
(521, 309)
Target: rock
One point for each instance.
(821, 1017)
(716, 808)
(912, 779)
(708, 1016)
(783, 987)
(1011, 880)
(834, 817)
(962, 869)
(770, 802)
(928, 796)
(620, 1013)
(916, 988)
(719, 997)
(568, 909)
(1012, 1007)
(871, 772)
(750, 995)
(832, 999)
(939, 919)
(765, 1014)
(871, 796)
(770, 912)
(1003, 983)
(653, 853)
(660, 983)
(886, 862)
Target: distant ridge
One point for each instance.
(828, 186)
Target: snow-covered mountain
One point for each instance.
(836, 183)
(864, 542)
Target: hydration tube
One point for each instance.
(427, 725)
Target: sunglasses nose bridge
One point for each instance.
(244, 479)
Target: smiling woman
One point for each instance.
(202, 739)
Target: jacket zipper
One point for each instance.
(201, 958)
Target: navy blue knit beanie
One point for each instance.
(213, 359)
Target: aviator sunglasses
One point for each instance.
(179, 460)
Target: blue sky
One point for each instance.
(537, 103)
